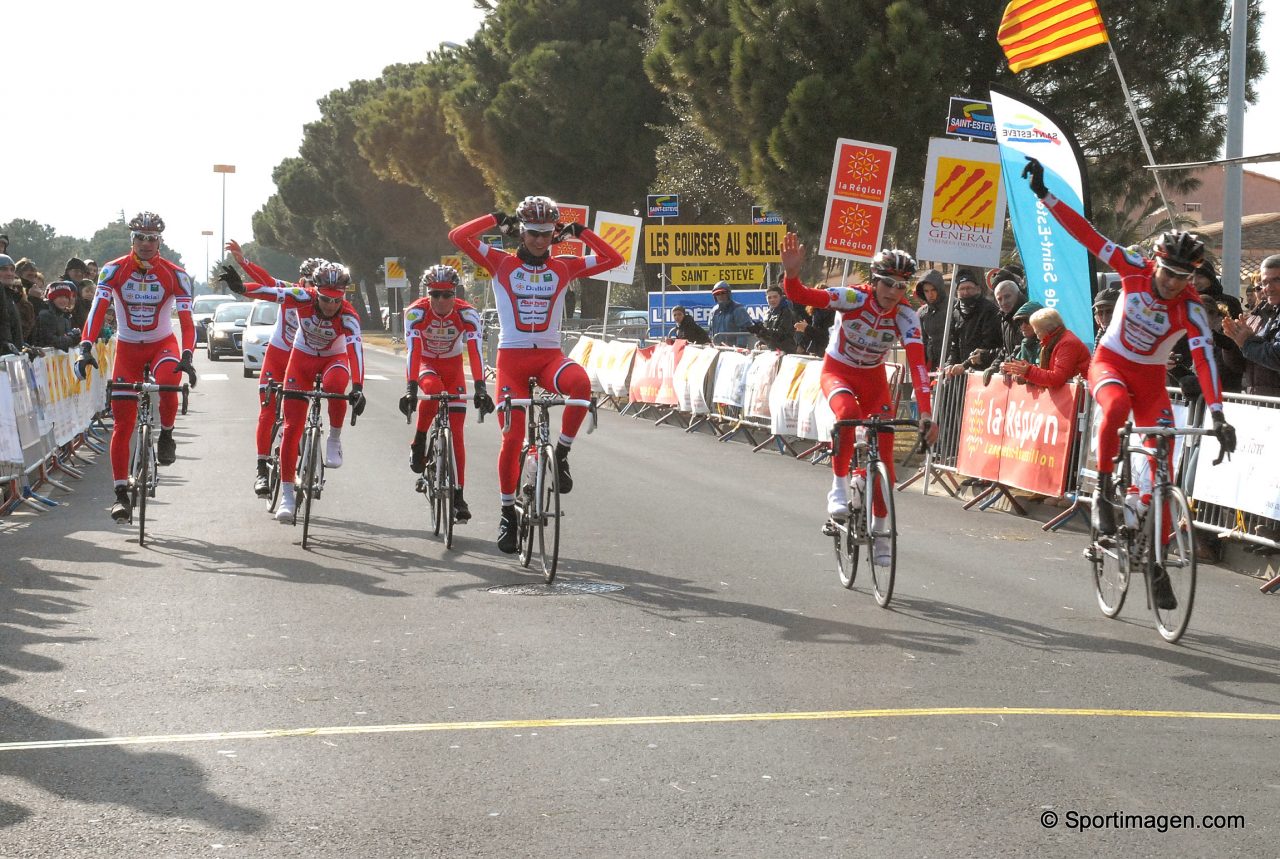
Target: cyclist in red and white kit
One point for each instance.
(327, 343)
(437, 329)
(530, 287)
(1154, 312)
(146, 289)
(264, 287)
(872, 317)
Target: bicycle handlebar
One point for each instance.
(878, 423)
(509, 403)
(149, 387)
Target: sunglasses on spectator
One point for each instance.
(541, 234)
(441, 293)
(146, 237)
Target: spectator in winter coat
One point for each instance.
(778, 331)
(53, 325)
(11, 336)
(1063, 356)
(1008, 299)
(931, 291)
(687, 327)
(975, 327)
(1104, 306)
(1258, 335)
(730, 319)
(84, 300)
(1029, 348)
(813, 329)
(1209, 286)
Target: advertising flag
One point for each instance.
(1039, 31)
(1059, 269)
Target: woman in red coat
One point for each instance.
(1063, 356)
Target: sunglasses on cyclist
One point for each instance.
(146, 237)
(328, 299)
(895, 284)
(441, 293)
(541, 234)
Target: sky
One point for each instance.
(137, 119)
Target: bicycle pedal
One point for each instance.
(830, 528)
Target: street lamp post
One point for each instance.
(206, 234)
(224, 169)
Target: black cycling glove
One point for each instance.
(187, 366)
(482, 401)
(1034, 173)
(228, 275)
(85, 360)
(1224, 432)
(358, 401)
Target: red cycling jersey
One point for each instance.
(530, 298)
(145, 293)
(267, 288)
(865, 332)
(432, 338)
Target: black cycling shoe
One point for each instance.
(461, 512)
(508, 532)
(166, 448)
(262, 486)
(122, 510)
(562, 469)
(1104, 509)
(1163, 589)
(418, 453)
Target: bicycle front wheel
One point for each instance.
(310, 465)
(1178, 557)
(431, 480)
(445, 486)
(273, 470)
(883, 532)
(548, 520)
(526, 505)
(142, 480)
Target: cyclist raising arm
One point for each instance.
(1154, 312)
(145, 289)
(871, 317)
(437, 329)
(267, 288)
(327, 344)
(529, 287)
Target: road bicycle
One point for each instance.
(1134, 550)
(859, 528)
(538, 495)
(439, 480)
(275, 393)
(143, 477)
(310, 482)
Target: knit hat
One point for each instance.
(60, 287)
(1025, 311)
(965, 276)
(74, 262)
(1107, 297)
(5, 259)
(721, 286)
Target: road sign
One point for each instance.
(712, 243)
(761, 217)
(706, 275)
(393, 273)
(971, 117)
(664, 205)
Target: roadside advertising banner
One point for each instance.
(615, 366)
(700, 306)
(731, 378)
(581, 354)
(644, 376)
(861, 178)
(698, 369)
(712, 243)
(1017, 435)
(622, 232)
(972, 118)
(10, 442)
(571, 213)
(686, 276)
(1248, 481)
(394, 274)
(1059, 269)
(784, 396)
(814, 418)
(962, 207)
(760, 376)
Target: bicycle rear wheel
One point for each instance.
(142, 480)
(445, 487)
(526, 505)
(548, 521)
(879, 486)
(1179, 560)
(310, 460)
(1110, 569)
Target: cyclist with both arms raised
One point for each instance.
(146, 289)
(437, 328)
(871, 318)
(529, 287)
(1154, 311)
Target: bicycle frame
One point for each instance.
(311, 465)
(439, 481)
(143, 474)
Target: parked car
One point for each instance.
(202, 309)
(226, 330)
(257, 335)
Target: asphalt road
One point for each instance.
(223, 692)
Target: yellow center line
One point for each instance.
(622, 721)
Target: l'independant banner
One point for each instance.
(1059, 269)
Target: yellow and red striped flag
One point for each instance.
(1037, 31)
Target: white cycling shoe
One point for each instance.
(288, 505)
(333, 452)
(881, 552)
(838, 498)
